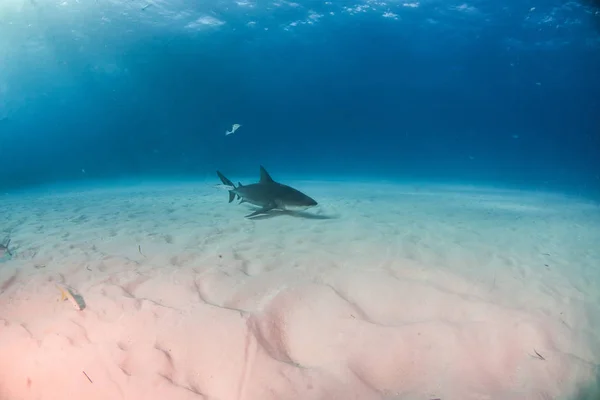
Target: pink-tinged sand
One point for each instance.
(407, 292)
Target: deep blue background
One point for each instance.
(356, 97)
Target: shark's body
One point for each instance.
(267, 194)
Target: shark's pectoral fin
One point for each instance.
(263, 210)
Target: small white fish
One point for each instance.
(234, 128)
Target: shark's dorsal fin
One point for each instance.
(264, 176)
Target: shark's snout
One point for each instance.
(302, 202)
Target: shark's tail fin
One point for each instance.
(227, 182)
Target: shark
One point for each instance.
(267, 194)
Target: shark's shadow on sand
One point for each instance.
(295, 214)
(272, 198)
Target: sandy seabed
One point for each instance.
(382, 292)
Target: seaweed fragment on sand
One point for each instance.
(4, 248)
(74, 298)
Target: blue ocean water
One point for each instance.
(474, 91)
